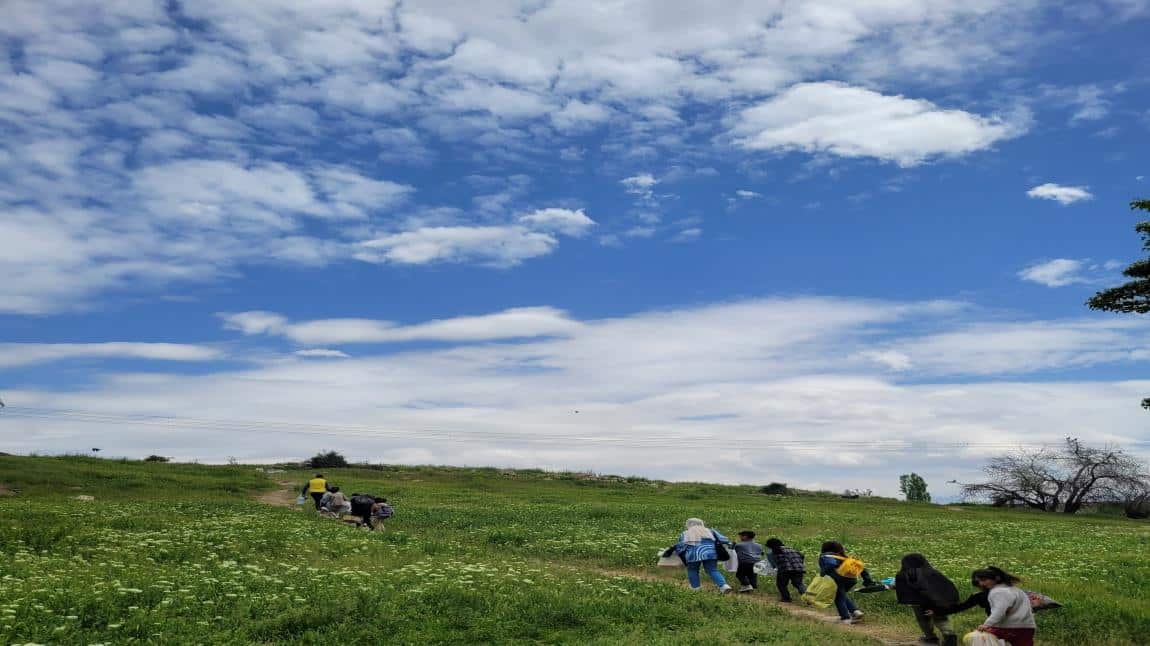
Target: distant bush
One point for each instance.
(157, 458)
(775, 489)
(328, 460)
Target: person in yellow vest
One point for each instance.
(316, 488)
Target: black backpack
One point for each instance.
(363, 500)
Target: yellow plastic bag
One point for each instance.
(849, 567)
(821, 592)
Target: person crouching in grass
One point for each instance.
(749, 553)
(1011, 616)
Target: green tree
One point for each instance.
(913, 487)
(1133, 297)
(328, 460)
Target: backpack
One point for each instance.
(363, 500)
(385, 511)
(849, 567)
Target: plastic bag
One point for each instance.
(763, 568)
(732, 564)
(301, 500)
(978, 638)
(821, 592)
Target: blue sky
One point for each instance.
(831, 223)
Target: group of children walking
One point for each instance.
(369, 510)
(930, 594)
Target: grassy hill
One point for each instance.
(170, 553)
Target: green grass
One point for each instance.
(177, 554)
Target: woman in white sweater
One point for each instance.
(1011, 618)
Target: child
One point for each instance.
(789, 568)
(749, 554)
(1011, 617)
(927, 591)
(833, 557)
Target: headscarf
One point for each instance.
(697, 532)
(919, 584)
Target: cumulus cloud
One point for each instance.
(1055, 273)
(565, 221)
(1064, 195)
(640, 184)
(856, 122)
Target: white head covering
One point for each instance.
(696, 531)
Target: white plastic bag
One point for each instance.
(763, 568)
(732, 562)
(301, 500)
(979, 638)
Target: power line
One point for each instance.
(522, 437)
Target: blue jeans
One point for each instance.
(712, 569)
(843, 603)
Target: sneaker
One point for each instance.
(725, 589)
(848, 621)
(696, 589)
(746, 588)
(857, 614)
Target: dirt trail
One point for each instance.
(887, 635)
(283, 497)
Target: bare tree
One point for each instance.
(1063, 480)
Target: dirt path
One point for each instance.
(887, 635)
(283, 497)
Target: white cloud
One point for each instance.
(499, 246)
(564, 221)
(321, 353)
(522, 322)
(774, 370)
(856, 122)
(1059, 272)
(22, 354)
(641, 184)
(890, 358)
(1064, 195)
(688, 235)
(747, 195)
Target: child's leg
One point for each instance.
(712, 568)
(744, 573)
(781, 581)
(925, 623)
(752, 577)
(693, 575)
(841, 603)
(797, 581)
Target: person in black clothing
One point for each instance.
(925, 589)
(789, 568)
(361, 505)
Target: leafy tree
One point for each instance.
(775, 489)
(156, 458)
(913, 487)
(1063, 480)
(1133, 297)
(328, 460)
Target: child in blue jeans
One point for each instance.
(830, 559)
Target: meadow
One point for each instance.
(179, 554)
